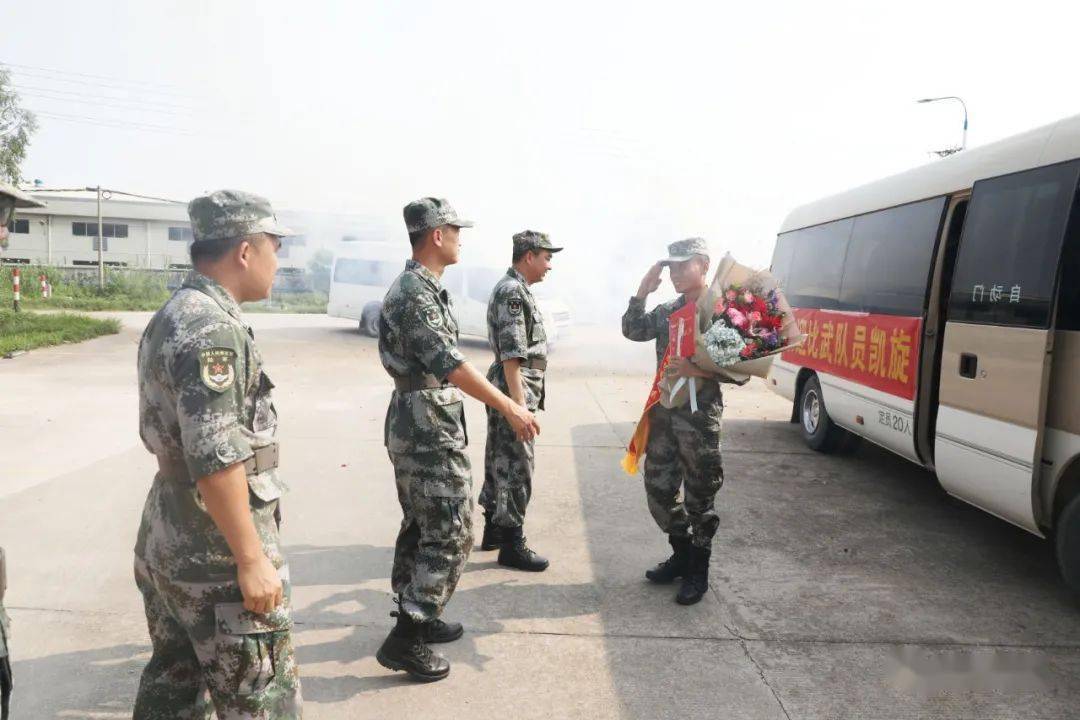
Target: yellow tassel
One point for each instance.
(630, 463)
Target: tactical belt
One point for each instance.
(265, 458)
(412, 383)
(534, 364)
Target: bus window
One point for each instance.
(889, 259)
(817, 264)
(1010, 247)
(1068, 314)
(452, 280)
(366, 272)
(781, 264)
(482, 282)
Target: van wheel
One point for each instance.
(818, 430)
(1067, 543)
(369, 321)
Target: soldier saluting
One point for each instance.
(426, 439)
(517, 337)
(683, 449)
(208, 558)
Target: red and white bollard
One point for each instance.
(15, 287)
(44, 285)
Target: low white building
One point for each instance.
(138, 232)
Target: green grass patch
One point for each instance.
(127, 290)
(123, 290)
(311, 302)
(29, 330)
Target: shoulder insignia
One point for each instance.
(514, 305)
(432, 316)
(217, 368)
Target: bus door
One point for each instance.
(998, 339)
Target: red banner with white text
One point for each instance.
(879, 351)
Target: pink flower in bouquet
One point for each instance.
(758, 319)
(737, 318)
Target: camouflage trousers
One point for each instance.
(203, 640)
(683, 453)
(435, 491)
(6, 681)
(508, 473)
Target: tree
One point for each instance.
(319, 267)
(16, 127)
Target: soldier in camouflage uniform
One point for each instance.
(208, 559)
(5, 659)
(10, 199)
(683, 449)
(426, 439)
(516, 334)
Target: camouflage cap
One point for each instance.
(681, 250)
(532, 240)
(227, 214)
(427, 213)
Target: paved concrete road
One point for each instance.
(825, 570)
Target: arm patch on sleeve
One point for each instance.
(513, 306)
(432, 316)
(217, 368)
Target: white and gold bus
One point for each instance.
(942, 308)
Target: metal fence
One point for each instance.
(288, 280)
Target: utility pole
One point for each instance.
(100, 243)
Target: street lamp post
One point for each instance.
(963, 141)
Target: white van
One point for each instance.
(361, 276)
(942, 313)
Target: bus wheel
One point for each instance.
(369, 321)
(1067, 541)
(818, 430)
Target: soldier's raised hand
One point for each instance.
(651, 282)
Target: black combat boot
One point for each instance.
(515, 552)
(695, 582)
(675, 566)
(437, 631)
(405, 649)
(493, 535)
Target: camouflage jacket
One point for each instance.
(418, 336)
(204, 404)
(641, 326)
(516, 330)
(5, 623)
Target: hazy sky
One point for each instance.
(616, 126)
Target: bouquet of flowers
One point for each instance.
(742, 321)
(733, 331)
(745, 325)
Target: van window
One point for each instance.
(888, 259)
(378, 273)
(817, 264)
(1009, 251)
(1068, 311)
(781, 262)
(482, 282)
(451, 279)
